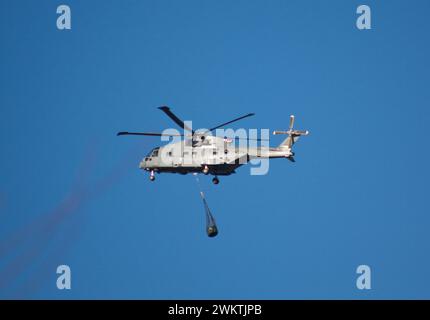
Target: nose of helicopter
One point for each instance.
(142, 164)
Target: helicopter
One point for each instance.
(201, 152)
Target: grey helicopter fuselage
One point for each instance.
(210, 155)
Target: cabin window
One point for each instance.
(153, 152)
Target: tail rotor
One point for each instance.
(293, 136)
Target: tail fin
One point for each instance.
(293, 135)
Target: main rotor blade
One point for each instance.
(172, 116)
(124, 133)
(240, 118)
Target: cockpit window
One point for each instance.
(153, 152)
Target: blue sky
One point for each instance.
(71, 191)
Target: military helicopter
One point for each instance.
(201, 152)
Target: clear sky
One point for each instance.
(71, 191)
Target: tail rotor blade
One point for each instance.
(291, 122)
(301, 132)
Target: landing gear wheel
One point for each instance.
(215, 180)
(152, 178)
